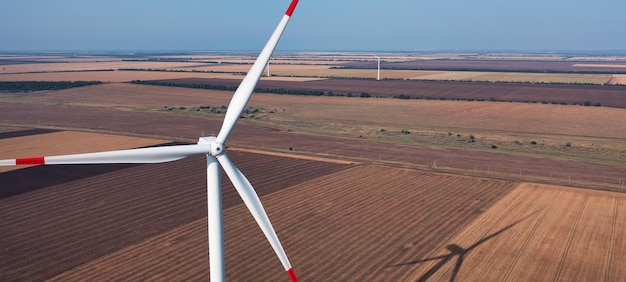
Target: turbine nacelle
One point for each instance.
(215, 148)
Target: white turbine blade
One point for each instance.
(143, 155)
(215, 223)
(252, 201)
(243, 93)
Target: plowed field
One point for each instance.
(351, 225)
(537, 233)
(48, 227)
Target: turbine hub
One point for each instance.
(215, 148)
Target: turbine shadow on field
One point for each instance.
(456, 250)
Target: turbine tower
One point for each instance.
(215, 151)
(378, 76)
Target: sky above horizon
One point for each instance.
(321, 25)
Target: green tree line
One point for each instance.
(30, 86)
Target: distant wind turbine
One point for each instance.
(378, 76)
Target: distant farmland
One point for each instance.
(610, 96)
(451, 181)
(503, 65)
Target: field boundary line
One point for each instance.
(295, 156)
(569, 239)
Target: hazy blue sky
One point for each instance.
(365, 25)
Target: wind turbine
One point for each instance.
(215, 152)
(378, 76)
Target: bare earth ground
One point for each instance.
(49, 226)
(537, 233)
(341, 226)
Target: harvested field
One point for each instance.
(61, 226)
(618, 79)
(536, 233)
(350, 225)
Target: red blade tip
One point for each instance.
(30, 161)
(291, 8)
(292, 275)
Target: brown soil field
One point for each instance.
(156, 237)
(611, 96)
(497, 65)
(48, 227)
(189, 127)
(618, 79)
(536, 233)
(596, 132)
(65, 142)
(513, 117)
(336, 227)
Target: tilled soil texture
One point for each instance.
(610, 96)
(537, 233)
(353, 225)
(101, 209)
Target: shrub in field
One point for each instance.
(568, 143)
(402, 96)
